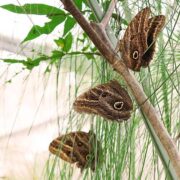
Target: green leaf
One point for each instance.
(68, 42)
(86, 3)
(92, 17)
(48, 27)
(106, 5)
(85, 48)
(28, 63)
(13, 61)
(55, 15)
(123, 21)
(65, 43)
(94, 49)
(59, 42)
(69, 24)
(78, 4)
(89, 56)
(39, 9)
(57, 54)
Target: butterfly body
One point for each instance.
(109, 100)
(138, 44)
(76, 147)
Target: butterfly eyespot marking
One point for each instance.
(118, 105)
(135, 55)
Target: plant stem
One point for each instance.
(108, 14)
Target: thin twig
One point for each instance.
(108, 14)
(148, 110)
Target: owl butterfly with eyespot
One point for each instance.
(109, 100)
(77, 147)
(138, 44)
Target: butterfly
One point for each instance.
(108, 100)
(138, 44)
(78, 147)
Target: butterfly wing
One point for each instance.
(134, 40)
(75, 147)
(138, 44)
(155, 26)
(88, 101)
(109, 100)
(63, 147)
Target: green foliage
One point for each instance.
(28, 63)
(69, 24)
(79, 3)
(65, 43)
(56, 16)
(36, 30)
(37, 9)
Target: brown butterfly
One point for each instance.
(108, 100)
(77, 147)
(138, 44)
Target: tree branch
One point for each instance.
(108, 14)
(148, 110)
